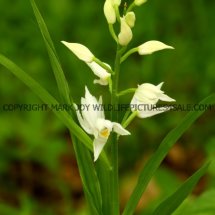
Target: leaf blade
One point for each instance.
(170, 204)
(55, 63)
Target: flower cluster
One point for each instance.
(93, 121)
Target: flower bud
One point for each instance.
(82, 52)
(139, 2)
(152, 46)
(125, 34)
(130, 19)
(109, 11)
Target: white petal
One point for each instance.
(116, 2)
(146, 114)
(100, 72)
(98, 145)
(139, 2)
(84, 124)
(109, 12)
(130, 19)
(101, 124)
(90, 111)
(160, 85)
(125, 34)
(82, 52)
(119, 129)
(164, 97)
(152, 46)
(101, 82)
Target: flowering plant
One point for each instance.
(99, 173)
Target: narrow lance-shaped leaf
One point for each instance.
(57, 69)
(156, 159)
(89, 178)
(169, 205)
(85, 163)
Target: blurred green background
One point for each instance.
(38, 171)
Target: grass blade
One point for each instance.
(49, 100)
(57, 69)
(89, 178)
(168, 206)
(156, 159)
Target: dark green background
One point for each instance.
(38, 172)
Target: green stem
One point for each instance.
(125, 92)
(129, 119)
(131, 7)
(112, 32)
(127, 54)
(114, 145)
(103, 65)
(117, 13)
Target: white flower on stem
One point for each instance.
(152, 46)
(130, 19)
(109, 10)
(139, 2)
(145, 98)
(125, 34)
(92, 120)
(81, 51)
(100, 72)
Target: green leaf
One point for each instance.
(57, 69)
(168, 206)
(156, 159)
(202, 205)
(50, 100)
(89, 178)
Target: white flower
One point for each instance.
(152, 46)
(139, 2)
(145, 98)
(92, 120)
(109, 11)
(130, 19)
(116, 2)
(125, 34)
(82, 52)
(100, 72)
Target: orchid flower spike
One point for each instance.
(81, 51)
(109, 10)
(145, 98)
(152, 46)
(92, 120)
(139, 2)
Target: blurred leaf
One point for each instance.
(168, 206)
(203, 205)
(156, 159)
